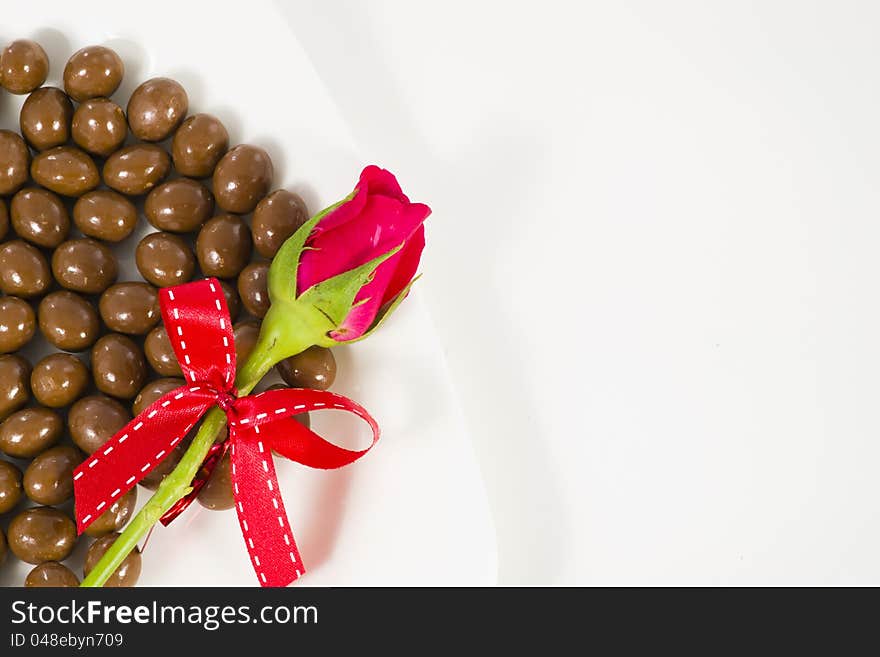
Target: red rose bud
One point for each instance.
(350, 266)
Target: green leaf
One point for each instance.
(282, 272)
(335, 296)
(383, 314)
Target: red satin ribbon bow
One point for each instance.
(198, 325)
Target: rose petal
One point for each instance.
(382, 224)
(407, 265)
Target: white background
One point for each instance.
(653, 263)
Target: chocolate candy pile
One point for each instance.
(81, 352)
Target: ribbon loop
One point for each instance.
(197, 322)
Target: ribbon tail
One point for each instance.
(264, 525)
(125, 459)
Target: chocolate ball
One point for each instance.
(136, 169)
(51, 574)
(115, 517)
(313, 368)
(15, 157)
(242, 178)
(164, 259)
(245, 335)
(68, 321)
(10, 486)
(131, 308)
(15, 391)
(153, 391)
(65, 170)
(126, 574)
(179, 206)
(216, 494)
(199, 143)
(253, 288)
(24, 66)
(40, 217)
(223, 246)
(156, 108)
(277, 217)
(42, 534)
(24, 271)
(84, 265)
(105, 215)
(17, 324)
(94, 420)
(58, 380)
(49, 478)
(45, 118)
(118, 366)
(233, 302)
(26, 433)
(99, 126)
(160, 353)
(92, 72)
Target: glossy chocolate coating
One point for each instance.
(129, 570)
(27, 432)
(115, 517)
(58, 380)
(68, 321)
(24, 271)
(136, 169)
(51, 574)
(15, 373)
(313, 368)
(10, 486)
(65, 170)
(164, 259)
(92, 72)
(105, 215)
(24, 66)
(245, 335)
(93, 420)
(253, 288)
(41, 534)
(131, 308)
(242, 178)
(49, 478)
(153, 391)
(39, 217)
(223, 246)
(3, 547)
(277, 217)
(45, 118)
(84, 265)
(118, 366)
(199, 143)
(179, 206)
(160, 354)
(216, 494)
(15, 157)
(17, 324)
(156, 108)
(99, 126)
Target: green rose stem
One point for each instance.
(268, 351)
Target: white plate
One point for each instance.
(413, 511)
